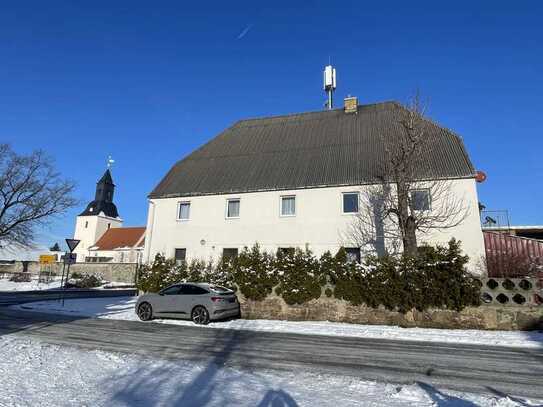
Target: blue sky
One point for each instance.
(148, 82)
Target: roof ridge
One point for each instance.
(280, 116)
(129, 227)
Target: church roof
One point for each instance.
(106, 178)
(116, 238)
(307, 150)
(96, 207)
(103, 200)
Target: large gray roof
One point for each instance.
(316, 149)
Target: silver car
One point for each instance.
(199, 302)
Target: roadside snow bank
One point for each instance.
(35, 373)
(123, 308)
(35, 285)
(32, 285)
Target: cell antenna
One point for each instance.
(329, 85)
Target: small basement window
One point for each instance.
(287, 251)
(420, 200)
(350, 202)
(353, 254)
(180, 256)
(232, 208)
(288, 205)
(183, 211)
(229, 253)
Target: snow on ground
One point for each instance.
(33, 285)
(123, 308)
(35, 373)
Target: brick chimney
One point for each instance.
(351, 104)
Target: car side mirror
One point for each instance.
(160, 293)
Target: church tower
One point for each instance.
(99, 216)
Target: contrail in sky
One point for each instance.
(244, 32)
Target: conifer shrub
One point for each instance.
(158, 275)
(254, 273)
(435, 278)
(23, 277)
(84, 280)
(299, 276)
(221, 274)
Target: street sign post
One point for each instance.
(68, 258)
(46, 267)
(72, 244)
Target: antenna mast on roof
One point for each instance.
(329, 84)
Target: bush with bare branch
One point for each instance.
(32, 192)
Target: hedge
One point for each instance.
(435, 278)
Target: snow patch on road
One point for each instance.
(123, 308)
(38, 374)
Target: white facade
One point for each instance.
(88, 229)
(319, 223)
(120, 255)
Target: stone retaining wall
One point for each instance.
(329, 309)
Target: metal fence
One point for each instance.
(513, 256)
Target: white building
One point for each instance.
(294, 181)
(99, 229)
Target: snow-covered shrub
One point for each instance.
(299, 276)
(20, 278)
(222, 274)
(444, 278)
(253, 271)
(84, 280)
(435, 278)
(158, 275)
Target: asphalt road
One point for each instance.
(498, 370)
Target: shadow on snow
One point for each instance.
(165, 383)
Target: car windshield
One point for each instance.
(220, 290)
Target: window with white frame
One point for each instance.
(183, 212)
(420, 199)
(288, 205)
(232, 208)
(350, 202)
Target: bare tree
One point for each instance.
(405, 199)
(32, 192)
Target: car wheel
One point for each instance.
(145, 311)
(200, 315)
